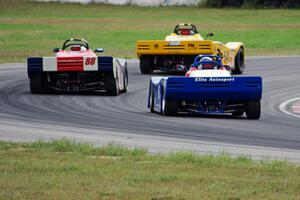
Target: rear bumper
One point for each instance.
(161, 47)
(213, 88)
(38, 65)
(212, 95)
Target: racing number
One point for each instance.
(90, 61)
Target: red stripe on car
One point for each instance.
(70, 64)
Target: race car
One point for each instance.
(77, 68)
(179, 49)
(208, 90)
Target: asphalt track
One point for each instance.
(125, 119)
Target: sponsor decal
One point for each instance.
(174, 43)
(191, 46)
(214, 79)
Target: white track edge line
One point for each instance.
(282, 107)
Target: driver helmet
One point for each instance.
(204, 59)
(82, 48)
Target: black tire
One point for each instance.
(151, 102)
(237, 113)
(169, 108)
(239, 62)
(146, 64)
(253, 109)
(112, 87)
(36, 84)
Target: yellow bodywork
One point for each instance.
(189, 45)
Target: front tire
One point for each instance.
(253, 109)
(36, 84)
(146, 64)
(239, 62)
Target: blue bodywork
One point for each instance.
(105, 64)
(34, 65)
(208, 95)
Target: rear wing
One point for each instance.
(54, 64)
(213, 88)
(162, 47)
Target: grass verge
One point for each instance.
(31, 29)
(63, 169)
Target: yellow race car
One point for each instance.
(179, 49)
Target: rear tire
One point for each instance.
(152, 102)
(146, 64)
(169, 108)
(112, 86)
(239, 62)
(36, 84)
(253, 109)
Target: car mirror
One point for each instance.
(210, 34)
(55, 50)
(98, 50)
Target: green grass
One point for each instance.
(63, 169)
(31, 29)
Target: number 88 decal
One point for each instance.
(90, 61)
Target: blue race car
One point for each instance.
(208, 89)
